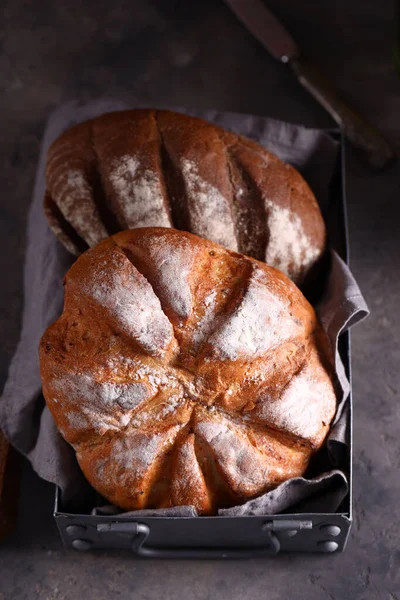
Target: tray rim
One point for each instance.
(339, 176)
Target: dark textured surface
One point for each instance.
(197, 54)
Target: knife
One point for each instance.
(273, 36)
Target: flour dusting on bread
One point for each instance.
(211, 214)
(139, 193)
(298, 409)
(132, 457)
(130, 301)
(173, 265)
(260, 322)
(244, 466)
(102, 405)
(74, 197)
(289, 248)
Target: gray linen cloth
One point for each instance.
(24, 417)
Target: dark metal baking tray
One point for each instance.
(230, 537)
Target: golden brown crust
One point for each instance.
(183, 373)
(144, 168)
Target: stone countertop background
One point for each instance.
(196, 54)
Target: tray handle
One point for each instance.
(141, 531)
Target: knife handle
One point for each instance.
(364, 136)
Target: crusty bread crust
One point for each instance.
(148, 168)
(185, 374)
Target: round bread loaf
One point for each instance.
(185, 374)
(148, 168)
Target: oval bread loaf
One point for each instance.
(150, 168)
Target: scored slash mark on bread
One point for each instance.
(143, 168)
(183, 373)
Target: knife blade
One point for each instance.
(266, 28)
